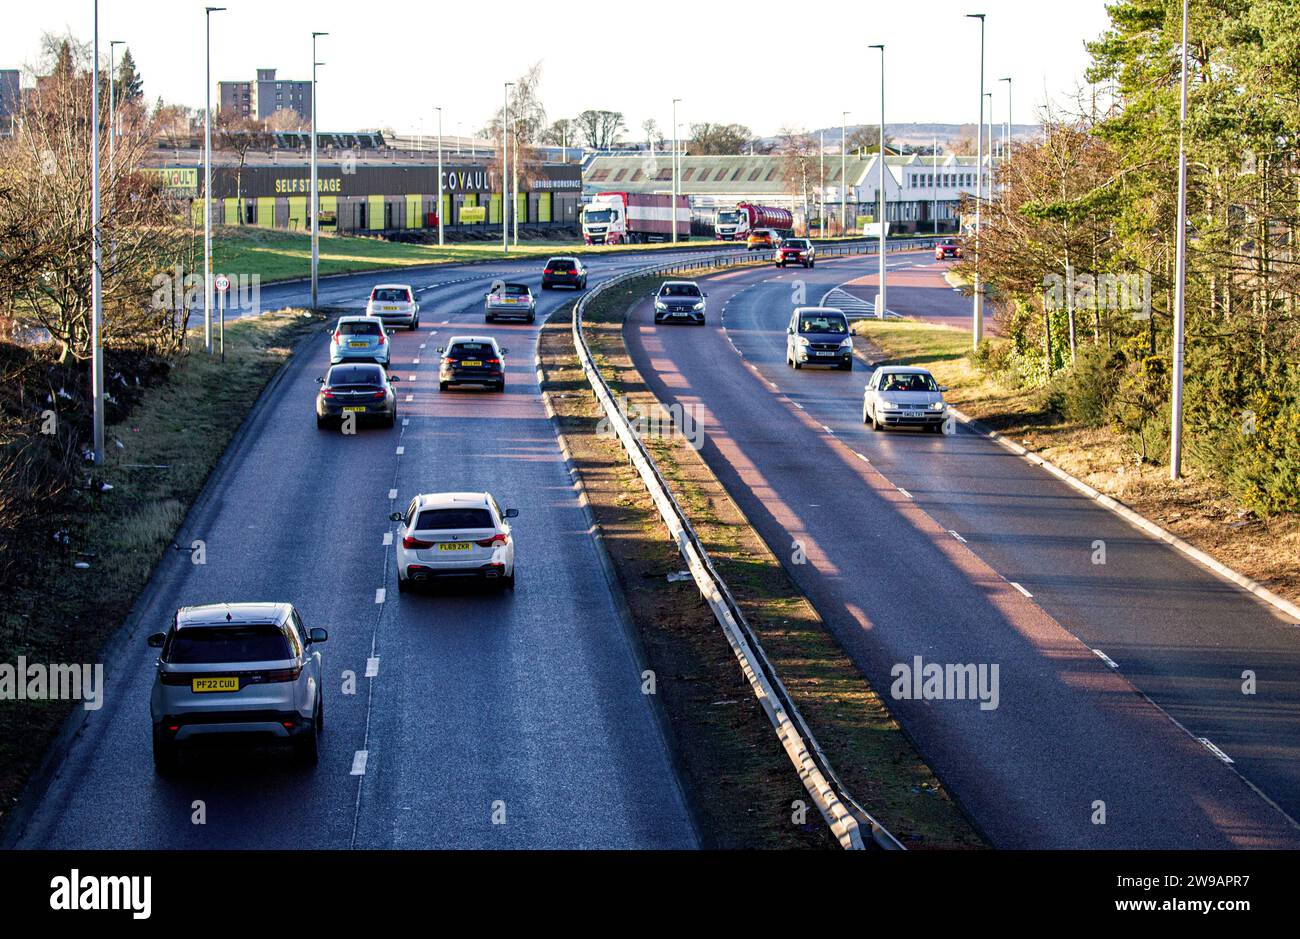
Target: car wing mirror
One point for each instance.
(393, 378)
(512, 513)
(156, 640)
(505, 351)
(943, 389)
(320, 381)
(397, 517)
(317, 635)
(441, 349)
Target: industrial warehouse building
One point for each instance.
(918, 189)
(365, 189)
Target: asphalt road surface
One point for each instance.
(951, 549)
(489, 720)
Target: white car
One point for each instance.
(899, 396)
(455, 535)
(394, 304)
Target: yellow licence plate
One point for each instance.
(354, 410)
(389, 309)
(209, 685)
(472, 364)
(358, 345)
(457, 546)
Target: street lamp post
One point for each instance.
(673, 200)
(207, 181)
(97, 283)
(1180, 277)
(934, 184)
(1006, 133)
(440, 196)
(977, 305)
(881, 305)
(505, 169)
(315, 179)
(112, 102)
(821, 183)
(844, 172)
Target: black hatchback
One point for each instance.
(564, 272)
(472, 360)
(362, 389)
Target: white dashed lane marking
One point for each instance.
(372, 667)
(1021, 589)
(1105, 658)
(380, 594)
(359, 762)
(392, 494)
(388, 538)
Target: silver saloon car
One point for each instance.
(899, 396)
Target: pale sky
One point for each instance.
(390, 62)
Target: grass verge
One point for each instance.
(1196, 508)
(738, 778)
(157, 461)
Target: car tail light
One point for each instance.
(548, 271)
(279, 675)
(415, 544)
(381, 339)
(496, 541)
(379, 395)
(338, 336)
(326, 393)
(493, 361)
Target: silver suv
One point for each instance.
(246, 671)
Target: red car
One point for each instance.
(796, 251)
(948, 248)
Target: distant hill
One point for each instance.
(923, 135)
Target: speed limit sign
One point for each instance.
(222, 283)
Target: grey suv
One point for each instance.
(819, 336)
(245, 671)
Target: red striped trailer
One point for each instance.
(615, 218)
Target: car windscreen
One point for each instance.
(907, 382)
(559, 264)
(728, 218)
(599, 215)
(355, 375)
(357, 328)
(680, 290)
(823, 324)
(387, 295)
(470, 349)
(453, 519)
(796, 243)
(246, 642)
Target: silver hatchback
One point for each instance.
(360, 339)
(243, 671)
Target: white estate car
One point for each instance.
(898, 396)
(394, 304)
(455, 535)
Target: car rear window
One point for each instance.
(680, 290)
(247, 642)
(471, 349)
(562, 266)
(515, 290)
(453, 519)
(390, 295)
(356, 328)
(823, 324)
(355, 375)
